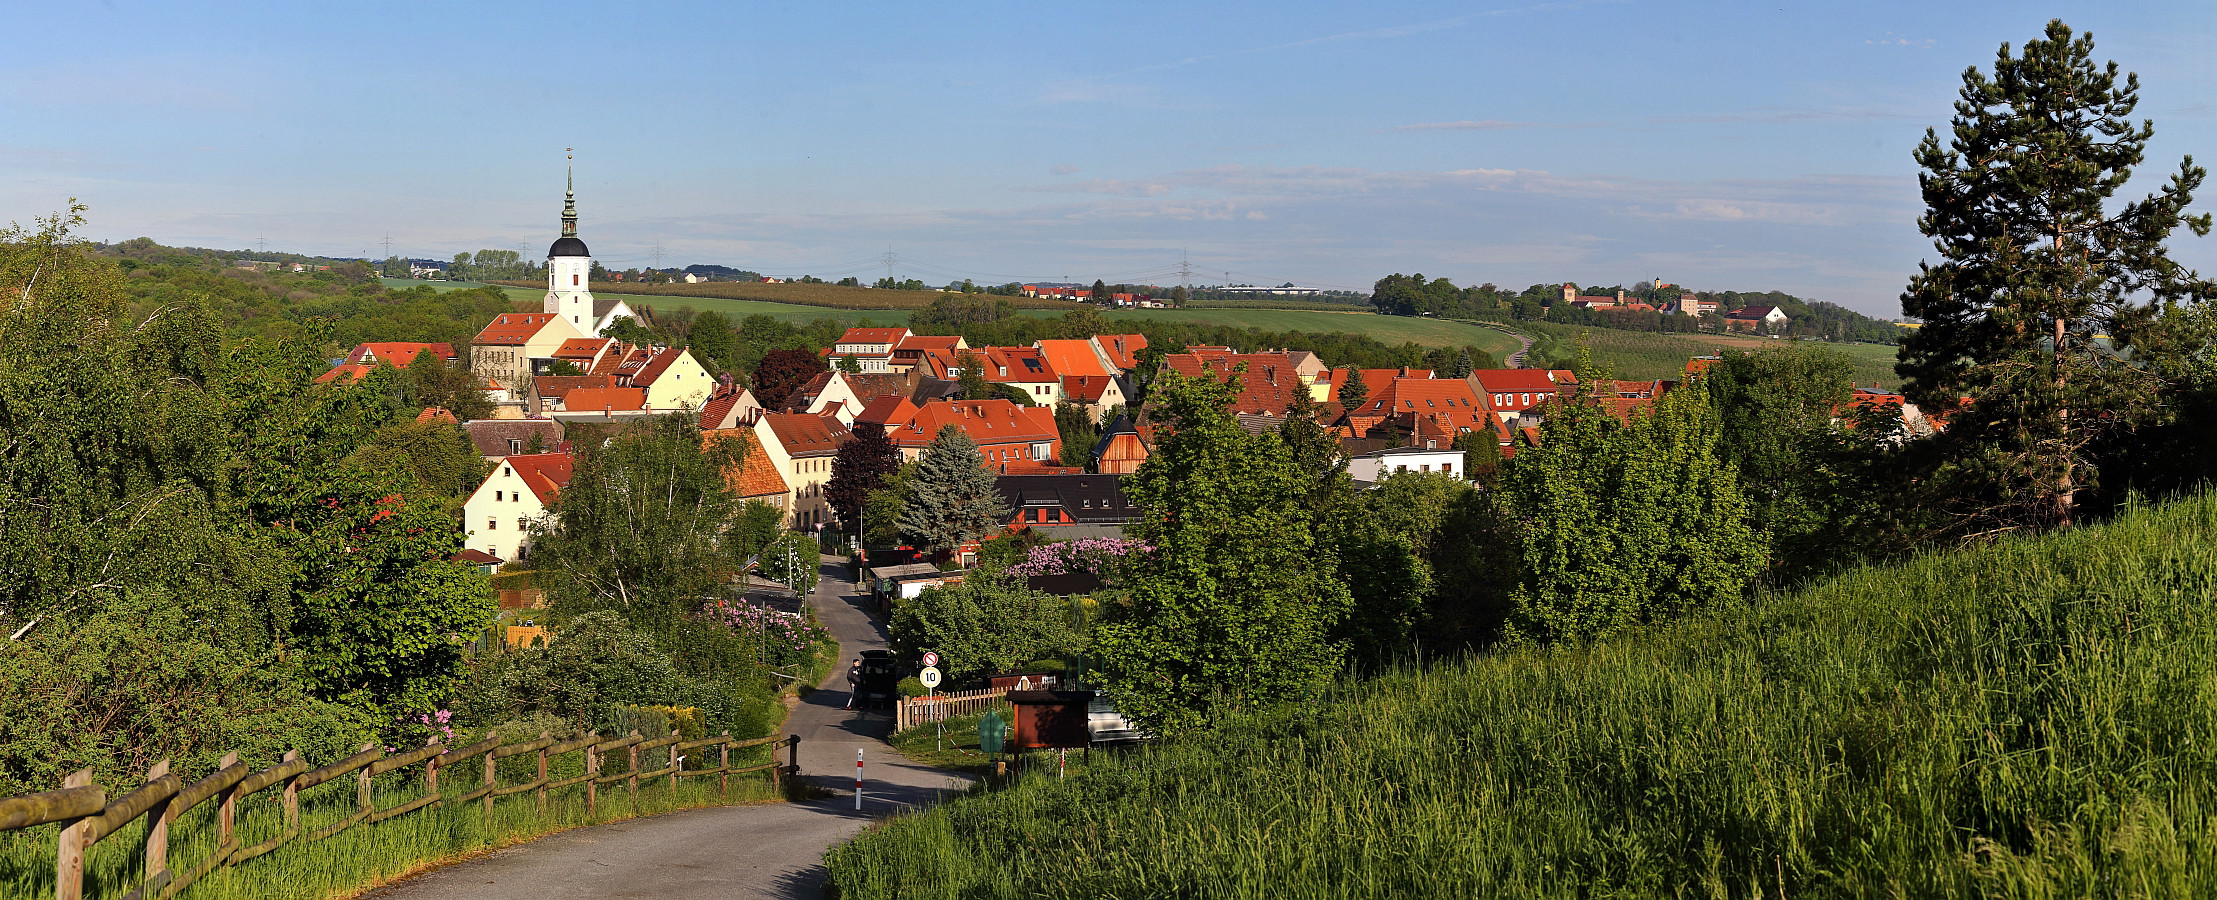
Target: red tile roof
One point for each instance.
(801, 434)
(398, 353)
(1268, 386)
(889, 411)
(1373, 378)
(1086, 388)
(1068, 358)
(886, 336)
(1019, 365)
(545, 473)
(719, 405)
(657, 366)
(437, 414)
(1122, 349)
(756, 475)
(351, 372)
(510, 329)
(582, 348)
(988, 422)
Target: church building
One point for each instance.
(570, 275)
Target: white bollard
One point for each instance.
(858, 779)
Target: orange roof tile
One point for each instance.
(756, 475)
(1069, 358)
(545, 473)
(617, 399)
(802, 434)
(509, 329)
(1122, 349)
(398, 353)
(351, 372)
(988, 422)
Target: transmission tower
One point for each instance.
(657, 253)
(388, 242)
(889, 263)
(261, 244)
(1185, 275)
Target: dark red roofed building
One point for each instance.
(398, 354)
(1509, 392)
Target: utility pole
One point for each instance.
(889, 264)
(1185, 275)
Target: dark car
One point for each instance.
(881, 678)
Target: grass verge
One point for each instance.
(2036, 718)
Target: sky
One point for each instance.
(1718, 145)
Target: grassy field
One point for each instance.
(1646, 355)
(831, 296)
(2033, 719)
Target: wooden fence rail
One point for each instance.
(909, 712)
(87, 815)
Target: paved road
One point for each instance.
(770, 850)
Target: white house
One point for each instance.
(1374, 466)
(499, 515)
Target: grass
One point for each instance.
(959, 752)
(1393, 330)
(365, 856)
(2037, 718)
(833, 296)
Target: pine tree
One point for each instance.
(1353, 392)
(951, 499)
(2037, 265)
(1463, 365)
(861, 466)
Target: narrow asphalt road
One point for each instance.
(768, 850)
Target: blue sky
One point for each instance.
(1721, 145)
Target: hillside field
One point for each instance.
(2033, 718)
(1643, 355)
(1388, 329)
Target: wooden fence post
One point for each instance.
(592, 776)
(227, 814)
(543, 775)
(488, 786)
(674, 761)
(793, 754)
(431, 770)
(723, 761)
(69, 851)
(633, 782)
(157, 827)
(365, 796)
(292, 795)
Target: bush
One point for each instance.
(911, 687)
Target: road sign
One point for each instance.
(930, 677)
(931, 658)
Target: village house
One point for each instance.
(1008, 436)
(1024, 369)
(872, 348)
(513, 347)
(1269, 383)
(729, 406)
(1373, 379)
(912, 351)
(754, 477)
(1767, 319)
(1510, 392)
(802, 446)
(498, 439)
(1121, 449)
(1373, 467)
(1067, 507)
(1422, 410)
(399, 354)
(499, 515)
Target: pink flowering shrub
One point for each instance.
(1095, 556)
(790, 638)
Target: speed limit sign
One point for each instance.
(931, 658)
(930, 677)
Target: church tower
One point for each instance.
(570, 271)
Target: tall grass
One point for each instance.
(366, 855)
(2032, 719)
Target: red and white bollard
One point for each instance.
(858, 779)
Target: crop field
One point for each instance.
(1644, 355)
(1388, 329)
(826, 295)
(2031, 718)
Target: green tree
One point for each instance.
(972, 378)
(1776, 410)
(951, 498)
(631, 331)
(989, 624)
(437, 455)
(860, 468)
(641, 528)
(791, 560)
(431, 382)
(850, 365)
(1079, 433)
(2038, 266)
(881, 512)
(1353, 391)
(1618, 525)
(1100, 292)
(1238, 604)
(1481, 455)
(715, 344)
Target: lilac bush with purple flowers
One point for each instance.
(1095, 556)
(790, 638)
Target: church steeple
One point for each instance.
(569, 203)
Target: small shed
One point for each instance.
(1025, 681)
(1047, 720)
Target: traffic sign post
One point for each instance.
(930, 678)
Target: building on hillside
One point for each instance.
(1067, 507)
(802, 447)
(1023, 369)
(911, 351)
(399, 354)
(1269, 383)
(1121, 450)
(516, 346)
(1373, 467)
(825, 394)
(1768, 319)
(1439, 407)
(1100, 395)
(1005, 433)
(1510, 392)
(1373, 379)
(345, 373)
(498, 439)
(872, 348)
(499, 515)
(1590, 301)
(729, 406)
(569, 276)
(754, 477)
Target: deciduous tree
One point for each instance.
(860, 467)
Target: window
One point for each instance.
(507, 473)
(523, 525)
(497, 497)
(573, 279)
(515, 445)
(1447, 467)
(492, 524)
(1426, 467)
(576, 320)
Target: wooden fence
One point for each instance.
(912, 711)
(87, 815)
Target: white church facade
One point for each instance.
(570, 275)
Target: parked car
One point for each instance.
(881, 675)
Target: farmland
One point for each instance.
(1981, 722)
(1644, 355)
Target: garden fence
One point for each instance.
(911, 711)
(87, 815)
